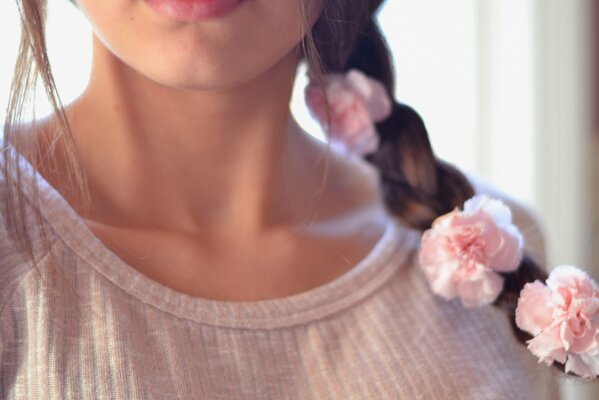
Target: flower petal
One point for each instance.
(583, 343)
(503, 243)
(441, 279)
(483, 288)
(534, 311)
(434, 249)
(582, 364)
(495, 208)
(548, 346)
(508, 255)
(570, 276)
(373, 93)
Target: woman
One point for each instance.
(186, 239)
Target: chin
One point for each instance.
(220, 53)
(203, 74)
(199, 73)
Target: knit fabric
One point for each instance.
(375, 332)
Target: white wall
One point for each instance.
(563, 139)
(69, 48)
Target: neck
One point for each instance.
(192, 159)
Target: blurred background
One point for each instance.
(506, 88)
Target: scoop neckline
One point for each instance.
(382, 261)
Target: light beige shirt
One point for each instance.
(376, 332)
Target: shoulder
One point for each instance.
(543, 378)
(502, 367)
(15, 254)
(524, 217)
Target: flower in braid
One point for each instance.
(417, 186)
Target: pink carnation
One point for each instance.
(356, 103)
(563, 317)
(463, 251)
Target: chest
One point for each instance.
(276, 265)
(384, 346)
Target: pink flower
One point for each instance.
(463, 251)
(563, 317)
(356, 102)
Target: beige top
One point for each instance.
(376, 332)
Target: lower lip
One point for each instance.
(194, 10)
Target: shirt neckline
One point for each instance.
(389, 253)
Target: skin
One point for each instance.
(201, 179)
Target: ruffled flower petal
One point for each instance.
(373, 92)
(548, 346)
(466, 248)
(583, 365)
(495, 208)
(571, 277)
(563, 317)
(443, 281)
(481, 288)
(534, 310)
(356, 102)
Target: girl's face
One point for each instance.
(208, 53)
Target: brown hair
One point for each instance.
(416, 185)
(31, 64)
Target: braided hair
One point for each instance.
(417, 186)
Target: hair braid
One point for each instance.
(416, 185)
